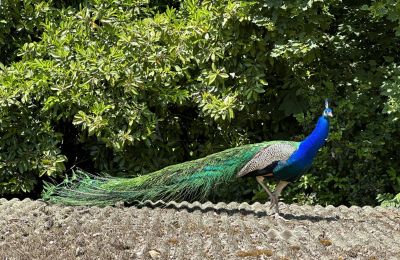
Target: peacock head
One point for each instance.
(327, 112)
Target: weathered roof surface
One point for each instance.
(35, 230)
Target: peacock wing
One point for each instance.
(268, 157)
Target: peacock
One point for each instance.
(284, 161)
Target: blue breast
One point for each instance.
(301, 160)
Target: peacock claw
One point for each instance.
(278, 216)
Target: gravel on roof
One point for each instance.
(35, 230)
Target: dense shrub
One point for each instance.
(128, 87)
(20, 22)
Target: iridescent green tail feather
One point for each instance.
(188, 180)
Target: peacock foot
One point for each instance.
(274, 199)
(274, 202)
(278, 216)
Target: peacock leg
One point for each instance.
(281, 185)
(272, 197)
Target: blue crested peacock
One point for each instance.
(284, 161)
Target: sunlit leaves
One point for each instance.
(389, 9)
(218, 108)
(391, 89)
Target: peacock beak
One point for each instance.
(329, 114)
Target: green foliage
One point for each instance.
(389, 200)
(131, 86)
(20, 22)
(388, 9)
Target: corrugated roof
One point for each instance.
(33, 229)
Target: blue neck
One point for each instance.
(310, 145)
(302, 158)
